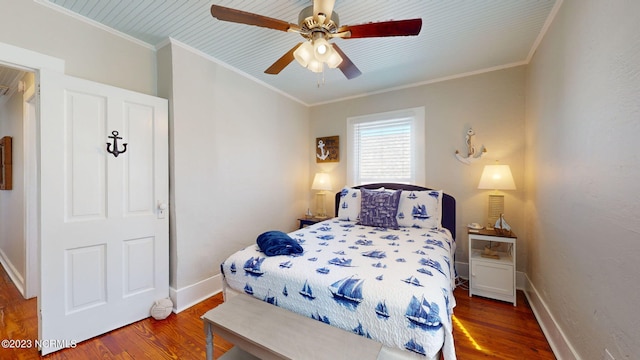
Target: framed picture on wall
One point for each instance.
(328, 149)
(5, 163)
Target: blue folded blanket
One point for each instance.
(278, 243)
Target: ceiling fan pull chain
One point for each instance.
(320, 77)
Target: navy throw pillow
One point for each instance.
(379, 208)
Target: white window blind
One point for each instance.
(383, 151)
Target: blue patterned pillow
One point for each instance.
(379, 208)
(349, 207)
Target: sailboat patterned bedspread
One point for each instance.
(394, 286)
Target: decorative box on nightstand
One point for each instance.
(492, 276)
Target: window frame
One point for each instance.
(417, 143)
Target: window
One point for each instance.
(386, 147)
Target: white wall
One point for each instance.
(583, 175)
(239, 165)
(89, 52)
(491, 103)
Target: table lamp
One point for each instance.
(322, 183)
(496, 177)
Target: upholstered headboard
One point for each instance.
(448, 202)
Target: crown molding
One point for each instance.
(543, 31)
(226, 66)
(94, 23)
(427, 82)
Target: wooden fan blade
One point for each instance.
(348, 68)
(323, 7)
(282, 63)
(243, 17)
(408, 27)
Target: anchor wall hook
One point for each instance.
(472, 155)
(115, 150)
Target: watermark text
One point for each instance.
(37, 343)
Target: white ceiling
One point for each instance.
(458, 37)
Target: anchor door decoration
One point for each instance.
(115, 150)
(328, 149)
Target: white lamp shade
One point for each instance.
(314, 54)
(315, 66)
(321, 182)
(304, 53)
(322, 50)
(334, 60)
(497, 177)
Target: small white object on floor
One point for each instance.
(161, 309)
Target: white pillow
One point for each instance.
(349, 208)
(420, 209)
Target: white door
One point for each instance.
(104, 240)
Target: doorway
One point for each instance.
(18, 205)
(101, 242)
(23, 268)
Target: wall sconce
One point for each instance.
(496, 177)
(322, 183)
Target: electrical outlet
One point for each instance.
(607, 355)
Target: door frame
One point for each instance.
(31, 61)
(31, 192)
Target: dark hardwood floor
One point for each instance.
(483, 329)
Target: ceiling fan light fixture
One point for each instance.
(321, 49)
(334, 59)
(316, 24)
(315, 66)
(304, 53)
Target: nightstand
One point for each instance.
(304, 222)
(488, 276)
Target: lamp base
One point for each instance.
(496, 207)
(321, 212)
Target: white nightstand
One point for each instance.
(492, 277)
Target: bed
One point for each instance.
(393, 285)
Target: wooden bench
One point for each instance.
(269, 332)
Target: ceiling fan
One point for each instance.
(318, 24)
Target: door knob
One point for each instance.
(162, 209)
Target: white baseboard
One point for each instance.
(188, 296)
(13, 273)
(558, 341)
